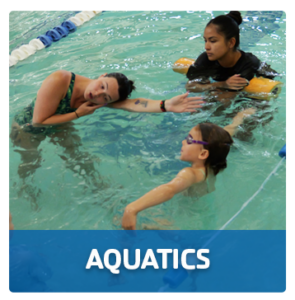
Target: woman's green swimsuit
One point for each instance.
(25, 117)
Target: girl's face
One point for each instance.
(215, 44)
(102, 90)
(190, 151)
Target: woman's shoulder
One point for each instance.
(59, 79)
(57, 82)
(250, 57)
(60, 76)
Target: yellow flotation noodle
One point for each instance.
(259, 88)
(181, 66)
(263, 88)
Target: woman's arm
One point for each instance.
(196, 87)
(52, 90)
(177, 104)
(86, 108)
(235, 82)
(184, 179)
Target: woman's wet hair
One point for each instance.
(228, 25)
(219, 145)
(126, 86)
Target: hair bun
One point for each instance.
(131, 86)
(236, 15)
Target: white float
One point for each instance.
(19, 54)
(83, 17)
(28, 49)
(76, 21)
(90, 14)
(37, 44)
(12, 61)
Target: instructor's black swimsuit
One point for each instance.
(247, 66)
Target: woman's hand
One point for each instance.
(129, 219)
(182, 103)
(87, 108)
(236, 82)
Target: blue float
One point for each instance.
(69, 25)
(45, 40)
(288, 151)
(53, 35)
(63, 31)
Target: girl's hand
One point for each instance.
(236, 82)
(87, 108)
(129, 219)
(182, 103)
(247, 112)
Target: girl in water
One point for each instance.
(206, 148)
(223, 61)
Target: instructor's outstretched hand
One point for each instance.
(183, 103)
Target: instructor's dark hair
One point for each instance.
(228, 25)
(126, 86)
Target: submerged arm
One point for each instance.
(197, 87)
(235, 82)
(163, 193)
(238, 120)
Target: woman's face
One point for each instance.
(215, 44)
(102, 90)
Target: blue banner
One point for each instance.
(147, 261)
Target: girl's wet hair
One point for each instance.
(219, 145)
(228, 25)
(126, 86)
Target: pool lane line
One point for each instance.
(248, 201)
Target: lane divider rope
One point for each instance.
(53, 35)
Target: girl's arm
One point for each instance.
(165, 192)
(238, 120)
(178, 104)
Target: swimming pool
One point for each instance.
(117, 156)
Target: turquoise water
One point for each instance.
(116, 156)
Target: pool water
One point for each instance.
(113, 157)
